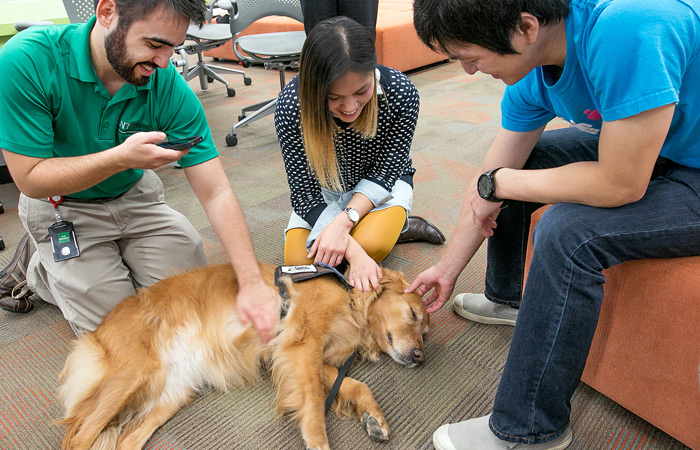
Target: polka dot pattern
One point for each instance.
(382, 159)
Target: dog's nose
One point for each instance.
(417, 356)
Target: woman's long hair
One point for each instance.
(333, 48)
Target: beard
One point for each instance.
(115, 46)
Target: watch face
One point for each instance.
(483, 186)
(353, 215)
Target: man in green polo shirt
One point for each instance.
(81, 109)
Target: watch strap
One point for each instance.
(490, 174)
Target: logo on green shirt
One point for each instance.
(133, 127)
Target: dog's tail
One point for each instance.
(91, 400)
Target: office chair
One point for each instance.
(274, 50)
(209, 36)
(78, 11)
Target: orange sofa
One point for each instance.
(646, 349)
(398, 45)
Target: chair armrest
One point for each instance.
(23, 25)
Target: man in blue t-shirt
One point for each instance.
(624, 181)
(81, 110)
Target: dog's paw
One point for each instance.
(375, 429)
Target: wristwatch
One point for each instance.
(486, 186)
(353, 215)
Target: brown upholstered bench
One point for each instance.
(646, 348)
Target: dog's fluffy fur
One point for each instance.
(157, 349)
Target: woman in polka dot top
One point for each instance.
(345, 126)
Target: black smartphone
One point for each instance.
(181, 144)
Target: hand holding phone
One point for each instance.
(181, 144)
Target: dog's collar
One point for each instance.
(303, 273)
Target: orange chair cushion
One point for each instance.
(646, 349)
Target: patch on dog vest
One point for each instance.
(303, 273)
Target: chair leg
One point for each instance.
(206, 69)
(203, 80)
(225, 69)
(260, 110)
(254, 107)
(207, 72)
(266, 110)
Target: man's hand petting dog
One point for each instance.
(436, 284)
(258, 304)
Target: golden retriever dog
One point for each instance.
(160, 347)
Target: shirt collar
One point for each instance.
(80, 60)
(378, 76)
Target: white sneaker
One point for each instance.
(475, 434)
(478, 308)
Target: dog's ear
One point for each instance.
(393, 280)
(361, 300)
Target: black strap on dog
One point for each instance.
(303, 273)
(338, 381)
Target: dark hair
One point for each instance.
(132, 10)
(487, 23)
(333, 48)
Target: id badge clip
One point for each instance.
(62, 235)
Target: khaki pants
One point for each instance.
(127, 243)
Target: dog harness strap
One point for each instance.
(344, 280)
(283, 292)
(338, 381)
(278, 282)
(303, 273)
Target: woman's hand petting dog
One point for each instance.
(364, 272)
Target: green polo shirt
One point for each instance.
(53, 105)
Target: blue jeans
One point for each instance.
(559, 308)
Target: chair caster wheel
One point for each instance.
(241, 117)
(2, 245)
(231, 92)
(210, 79)
(2, 208)
(231, 140)
(247, 81)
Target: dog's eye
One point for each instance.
(388, 336)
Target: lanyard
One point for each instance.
(55, 201)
